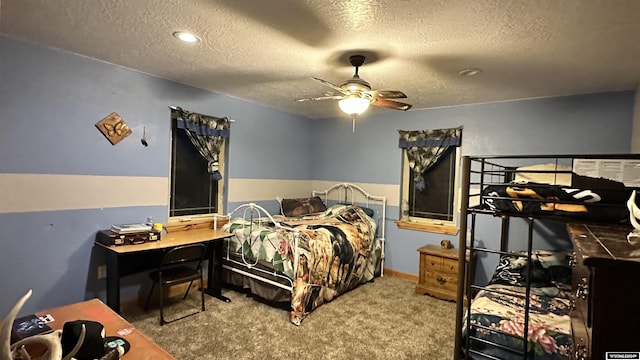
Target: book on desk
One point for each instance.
(130, 228)
(28, 326)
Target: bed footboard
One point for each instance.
(313, 258)
(257, 218)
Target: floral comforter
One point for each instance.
(336, 253)
(500, 317)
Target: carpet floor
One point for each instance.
(383, 319)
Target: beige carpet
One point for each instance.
(384, 319)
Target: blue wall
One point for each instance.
(50, 101)
(585, 124)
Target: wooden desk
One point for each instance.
(142, 347)
(124, 260)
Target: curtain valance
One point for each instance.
(207, 134)
(426, 147)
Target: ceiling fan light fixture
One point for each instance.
(354, 105)
(186, 37)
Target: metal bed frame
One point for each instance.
(256, 215)
(481, 171)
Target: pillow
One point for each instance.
(337, 206)
(303, 206)
(557, 265)
(551, 177)
(370, 212)
(512, 271)
(550, 271)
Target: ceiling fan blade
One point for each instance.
(390, 104)
(388, 94)
(334, 97)
(333, 86)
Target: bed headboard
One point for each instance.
(347, 193)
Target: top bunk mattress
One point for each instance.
(557, 200)
(558, 190)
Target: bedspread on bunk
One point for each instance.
(544, 199)
(335, 253)
(549, 330)
(502, 310)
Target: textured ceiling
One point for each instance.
(265, 51)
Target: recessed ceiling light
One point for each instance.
(469, 72)
(186, 37)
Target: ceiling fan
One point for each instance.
(356, 94)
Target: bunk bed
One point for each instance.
(315, 250)
(526, 309)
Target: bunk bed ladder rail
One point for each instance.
(466, 271)
(527, 296)
(462, 265)
(527, 301)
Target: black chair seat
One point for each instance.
(175, 275)
(179, 265)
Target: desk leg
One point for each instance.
(113, 281)
(214, 272)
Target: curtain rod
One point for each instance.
(176, 108)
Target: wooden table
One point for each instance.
(124, 260)
(142, 347)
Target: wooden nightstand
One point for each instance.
(438, 272)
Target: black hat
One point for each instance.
(93, 344)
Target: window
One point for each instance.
(196, 183)
(430, 179)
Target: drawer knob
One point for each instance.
(582, 291)
(572, 260)
(441, 280)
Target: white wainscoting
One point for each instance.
(50, 192)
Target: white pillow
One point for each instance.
(545, 178)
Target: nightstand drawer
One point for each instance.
(432, 263)
(442, 281)
(437, 263)
(450, 265)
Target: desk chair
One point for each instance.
(178, 265)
